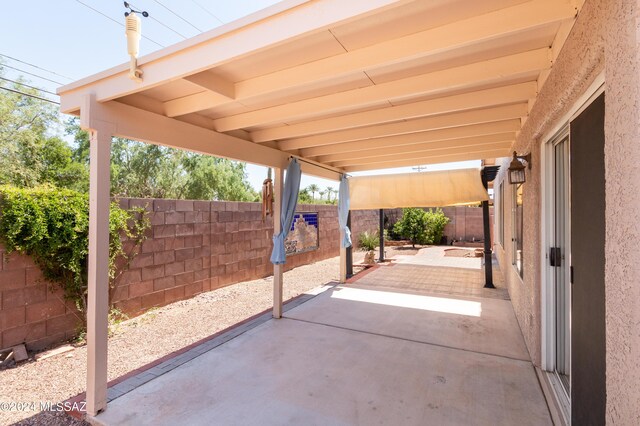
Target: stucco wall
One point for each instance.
(622, 174)
(579, 63)
(605, 39)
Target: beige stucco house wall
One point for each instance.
(604, 41)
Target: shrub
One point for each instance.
(368, 241)
(421, 227)
(52, 226)
(436, 221)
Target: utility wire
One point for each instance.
(29, 95)
(180, 17)
(117, 22)
(30, 87)
(31, 74)
(35, 66)
(207, 11)
(161, 23)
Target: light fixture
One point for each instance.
(517, 169)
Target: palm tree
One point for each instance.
(321, 193)
(313, 188)
(329, 193)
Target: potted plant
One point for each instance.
(368, 242)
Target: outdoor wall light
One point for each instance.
(516, 168)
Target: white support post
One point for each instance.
(277, 269)
(98, 292)
(343, 262)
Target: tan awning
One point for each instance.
(428, 189)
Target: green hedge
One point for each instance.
(52, 225)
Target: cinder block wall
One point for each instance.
(32, 310)
(193, 247)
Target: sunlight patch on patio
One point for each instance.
(427, 303)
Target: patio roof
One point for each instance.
(349, 86)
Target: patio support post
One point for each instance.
(98, 272)
(349, 252)
(488, 266)
(381, 236)
(278, 270)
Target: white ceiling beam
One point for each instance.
(218, 92)
(418, 147)
(521, 92)
(492, 71)
(475, 130)
(133, 123)
(213, 82)
(416, 125)
(428, 160)
(502, 23)
(503, 145)
(291, 18)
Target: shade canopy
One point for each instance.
(427, 189)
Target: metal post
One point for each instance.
(488, 266)
(349, 251)
(381, 235)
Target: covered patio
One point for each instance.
(366, 352)
(341, 87)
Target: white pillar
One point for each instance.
(277, 269)
(343, 261)
(98, 292)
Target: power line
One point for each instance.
(207, 11)
(29, 95)
(117, 22)
(31, 74)
(163, 24)
(30, 87)
(35, 66)
(197, 29)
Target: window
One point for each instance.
(500, 213)
(517, 227)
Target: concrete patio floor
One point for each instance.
(356, 354)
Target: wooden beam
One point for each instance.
(475, 130)
(194, 103)
(466, 77)
(417, 148)
(424, 154)
(417, 125)
(214, 83)
(145, 126)
(429, 160)
(515, 93)
(499, 24)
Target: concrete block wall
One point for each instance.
(192, 247)
(31, 309)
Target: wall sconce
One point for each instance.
(516, 168)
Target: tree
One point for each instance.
(321, 193)
(30, 154)
(412, 225)
(313, 188)
(330, 191)
(150, 171)
(421, 227)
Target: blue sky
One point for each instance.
(73, 41)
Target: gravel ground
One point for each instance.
(143, 339)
